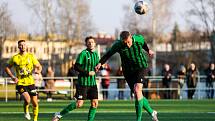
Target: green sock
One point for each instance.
(91, 114)
(146, 106)
(70, 107)
(139, 108)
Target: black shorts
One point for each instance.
(31, 89)
(86, 92)
(134, 77)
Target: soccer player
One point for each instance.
(134, 66)
(86, 87)
(24, 64)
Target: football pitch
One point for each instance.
(169, 110)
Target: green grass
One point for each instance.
(169, 110)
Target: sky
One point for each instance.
(107, 15)
(105, 24)
(116, 13)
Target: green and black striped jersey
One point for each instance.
(133, 58)
(87, 61)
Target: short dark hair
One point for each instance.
(124, 35)
(89, 37)
(21, 41)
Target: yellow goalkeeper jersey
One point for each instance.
(24, 65)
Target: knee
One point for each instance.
(79, 104)
(137, 90)
(94, 104)
(35, 104)
(27, 102)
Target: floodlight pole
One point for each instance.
(154, 41)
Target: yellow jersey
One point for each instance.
(24, 65)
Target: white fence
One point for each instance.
(155, 83)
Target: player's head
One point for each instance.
(212, 65)
(90, 43)
(22, 46)
(126, 38)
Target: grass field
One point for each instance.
(169, 110)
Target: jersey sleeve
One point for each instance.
(80, 58)
(139, 38)
(115, 47)
(34, 59)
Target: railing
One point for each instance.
(155, 87)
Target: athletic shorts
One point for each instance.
(86, 92)
(134, 77)
(31, 89)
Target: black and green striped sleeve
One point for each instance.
(115, 47)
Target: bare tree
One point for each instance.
(45, 11)
(159, 14)
(131, 21)
(204, 11)
(75, 19)
(68, 17)
(6, 28)
(6, 24)
(202, 17)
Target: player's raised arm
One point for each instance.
(146, 48)
(108, 54)
(151, 53)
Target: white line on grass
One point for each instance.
(211, 112)
(108, 112)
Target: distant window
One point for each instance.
(54, 50)
(31, 49)
(44, 49)
(7, 49)
(47, 50)
(34, 50)
(15, 49)
(11, 49)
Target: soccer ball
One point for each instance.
(141, 7)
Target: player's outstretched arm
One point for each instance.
(146, 48)
(151, 53)
(98, 66)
